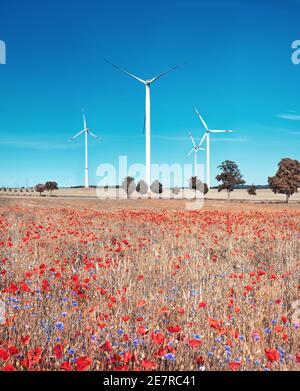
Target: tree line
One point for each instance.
(48, 186)
(285, 181)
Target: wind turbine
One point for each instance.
(195, 149)
(207, 137)
(147, 84)
(86, 132)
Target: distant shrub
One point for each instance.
(142, 187)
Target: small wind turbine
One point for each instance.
(206, 136)
(87, 132)
(195, 149)
(147, 84)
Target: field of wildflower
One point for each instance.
(146, 289)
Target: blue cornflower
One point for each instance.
(268, 330)
(135, 342)
(170, 356)
(242, 338)
(71, 351)
(74, 303)
(60, 326)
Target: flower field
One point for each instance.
(141, 290)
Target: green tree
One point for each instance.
(156, 187)
(142, 187)
(229, 177)
(287, 178)
(50, 186)
(128, 185)
(196, 184)
(252, 190)
(40, 188)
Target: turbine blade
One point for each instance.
(76, 135)
(192, 138)
(191, 151)
(164, 73)
(201, 119)
(221, 131)
(203, 138)
(92, 134)
(127, 73)
(84, 120)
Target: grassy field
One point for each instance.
(263, 195)
(145, 284)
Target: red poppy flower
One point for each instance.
(174, 329)
(13, 350)
(125, 318)
(34, 356)
(106, 346)
(83, 363)
(142, 330)
(24, 287)
(25, 340)
(272, 354)
(139, 319)
(4, 354)
(202, 304)
(200, 360)
(195, 343)
(128, 356)
(58, 351)
(214, 323)
(45, 285)
(234, 366)
(164, 310)
(158, 338)
(147, 364)
(9, 368)
(141, 303)
(66, 366)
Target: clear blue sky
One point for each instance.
(238, 73)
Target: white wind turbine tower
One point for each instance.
(86, 132)
(207, 137)
(196, 148)
(147, 84)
